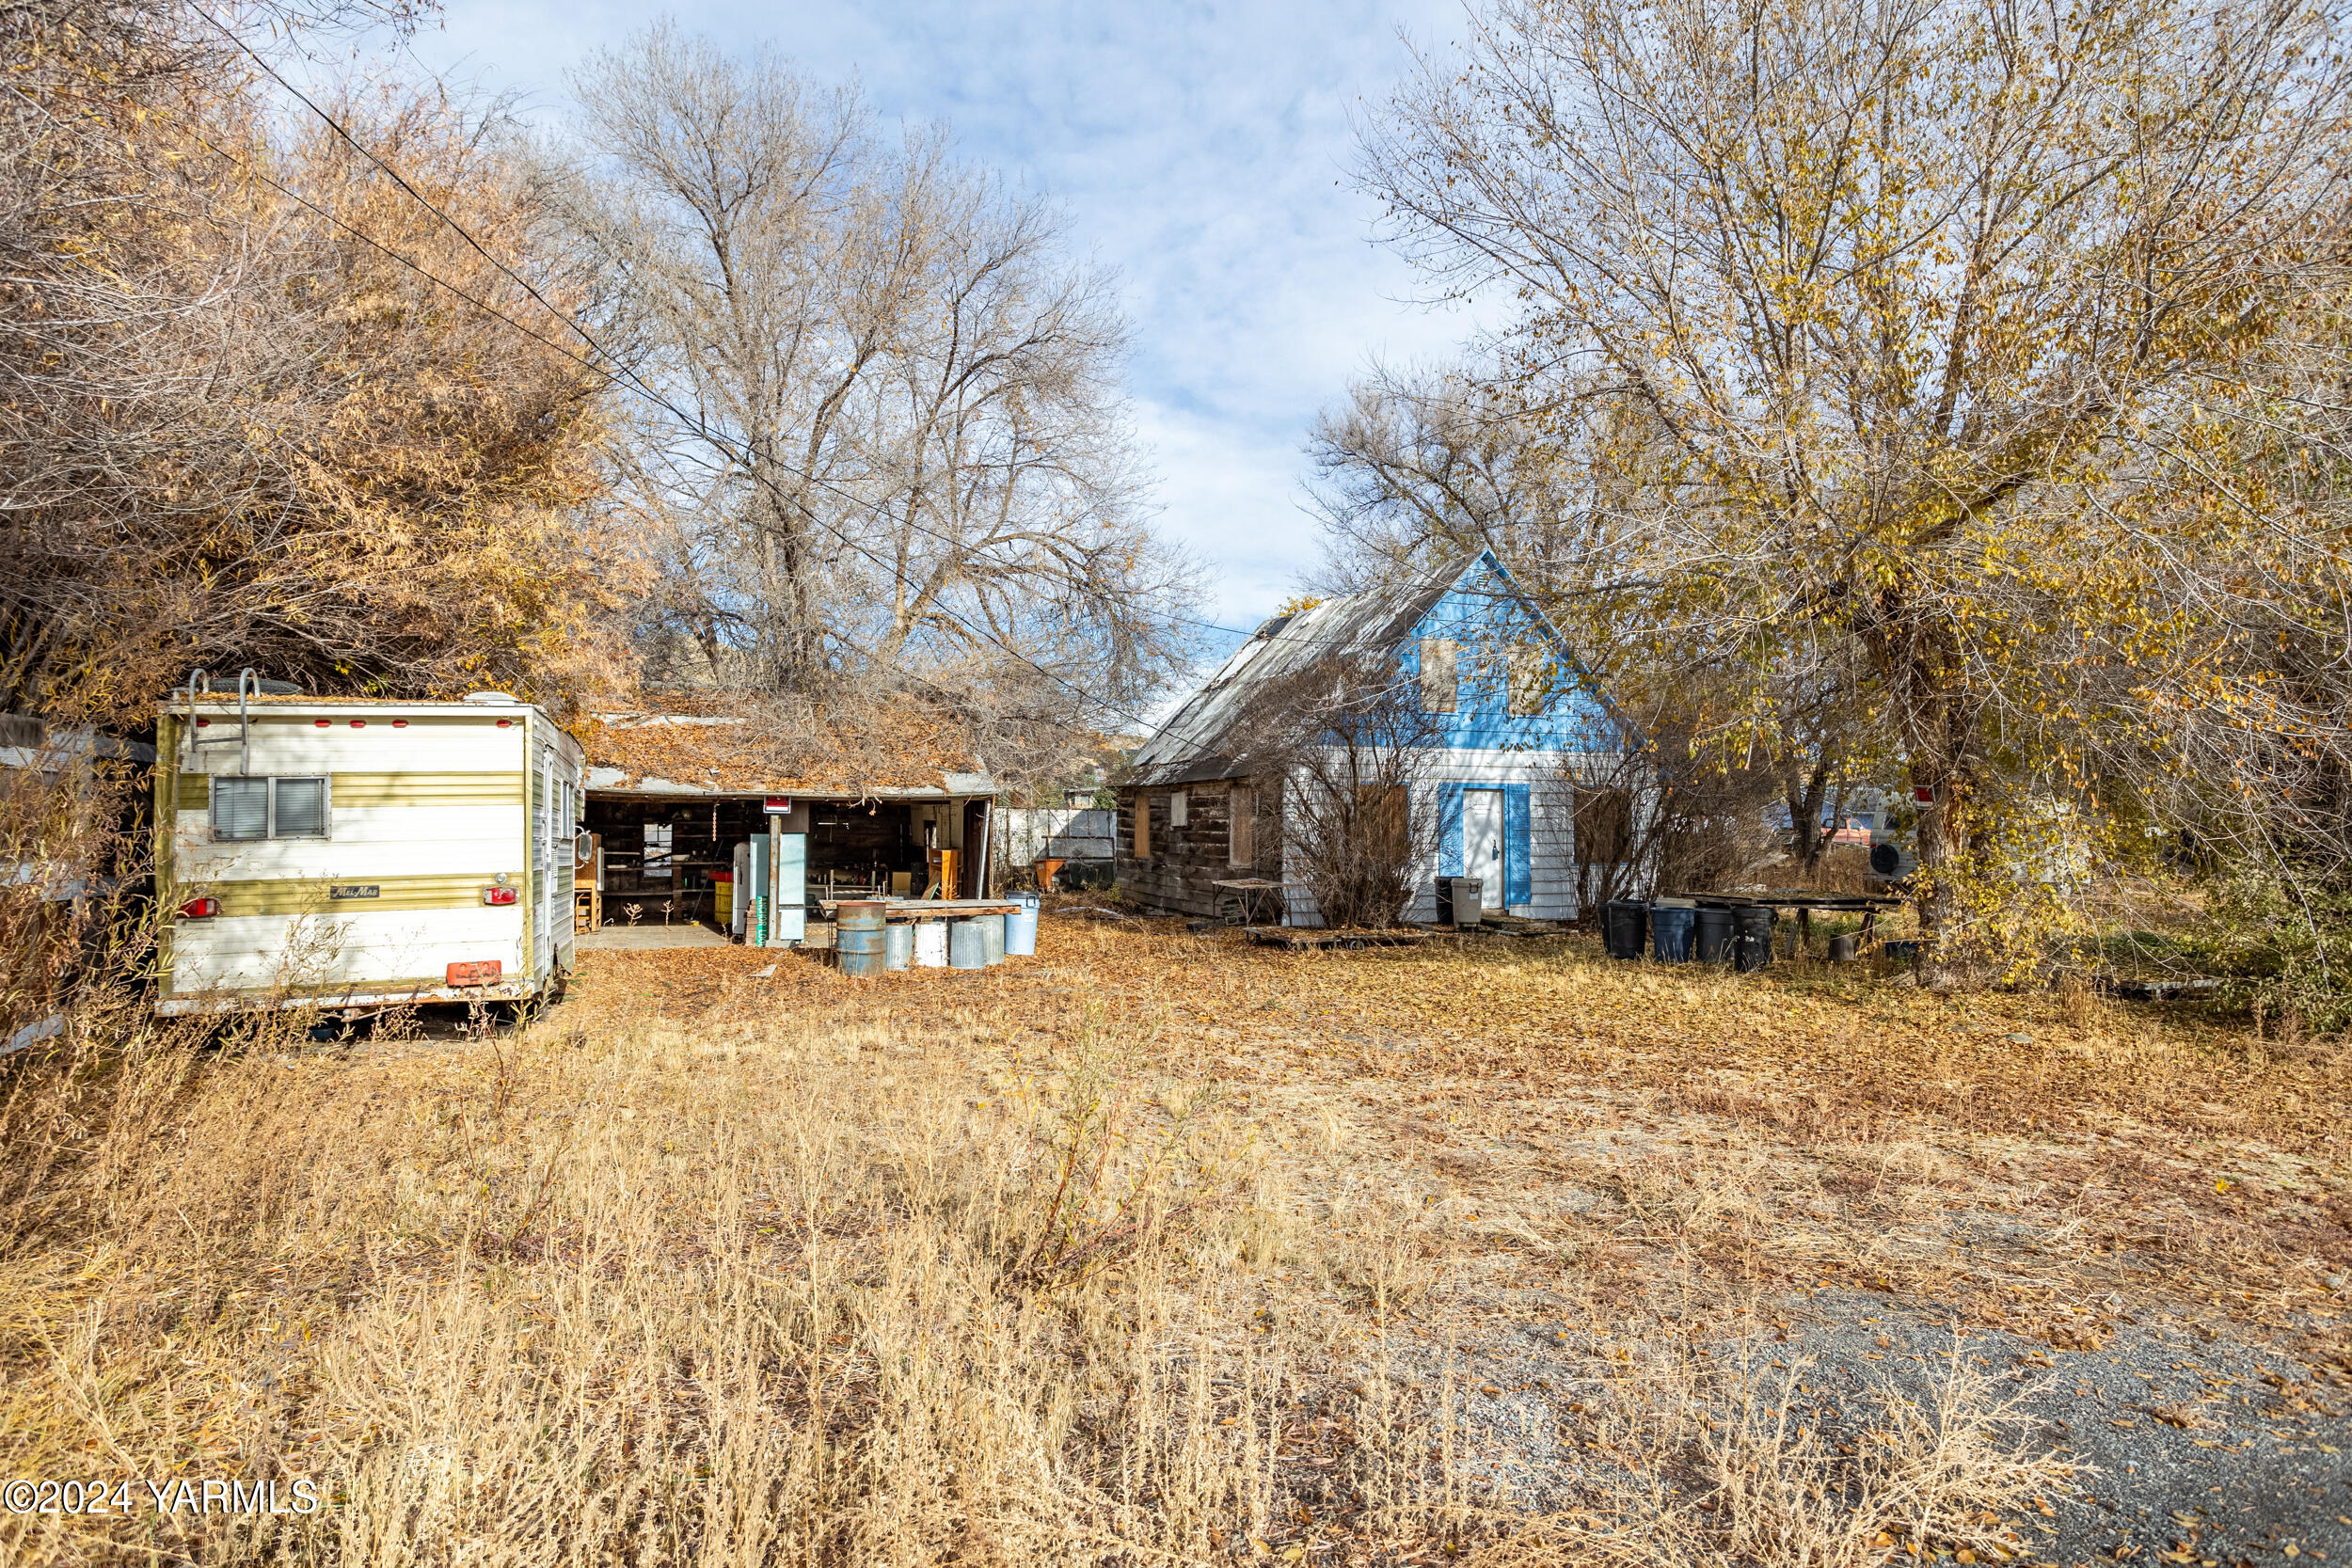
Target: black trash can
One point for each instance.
(1670, 927)
(1461, 900)
(1714, 942)
(1751, 943)
(1625, 926)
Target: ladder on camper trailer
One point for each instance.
(201, 683)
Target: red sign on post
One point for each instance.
(779, 805)
(481, 971)
(1922, 793)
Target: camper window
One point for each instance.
(240, 808)
(300, 809)
(269, 808)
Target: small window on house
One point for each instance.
(1142, 844)
(1179, 810)
(657, 845)
(1530, 678)
(1439, 683)
(1242, 845)
(249, 809)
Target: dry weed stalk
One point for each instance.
(573, 1298)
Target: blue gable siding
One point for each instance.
(1485, 613)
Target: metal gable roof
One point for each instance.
(1199, 743)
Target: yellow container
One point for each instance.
(722, 894)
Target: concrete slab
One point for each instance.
(641, 939)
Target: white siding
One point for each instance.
(439, 745)
(339, 949)
(1551, 853)
(1551, 818)
(365, 842)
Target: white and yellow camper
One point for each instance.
(353, 854)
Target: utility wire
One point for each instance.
(617, 373)
(693, 422)
(491, 310)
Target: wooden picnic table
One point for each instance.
(1804, 901)
(1250, 899)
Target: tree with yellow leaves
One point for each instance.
(1957, 335)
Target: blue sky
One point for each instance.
(1200, 150)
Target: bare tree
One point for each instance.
(1421, 461)
(902, 442)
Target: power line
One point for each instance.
(693, 422)
(620, 374)
(491, 310)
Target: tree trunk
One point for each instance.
(1806, 837)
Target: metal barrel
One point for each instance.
(1021, 927)
(931, 943)
(966, 949)
(899, 945)
(862, 934)
(991, 936)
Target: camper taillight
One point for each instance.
(499, 895)
(200, 908)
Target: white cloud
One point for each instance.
(1198, 148)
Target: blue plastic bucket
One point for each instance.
(1021, 927)
(1670, 933)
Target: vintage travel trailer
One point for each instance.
(353, 854)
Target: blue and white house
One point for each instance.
(1510, 726)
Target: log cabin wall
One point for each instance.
(1184, 862)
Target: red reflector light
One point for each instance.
(358, 723)
(506, 724)
(200, 908)
(400, 723)
(203, 724)
(499, 895)
(322, 723)
(479, 973)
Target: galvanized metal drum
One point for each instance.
(966, 947)
(898, 946)
(991, 936)
(931, 943)
(862, 936)
(1021, 926)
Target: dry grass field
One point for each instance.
(1160, 1249)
